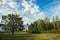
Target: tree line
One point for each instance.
(13, 22)
(45, 24)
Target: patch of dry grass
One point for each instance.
(47, 36)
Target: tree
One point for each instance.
(57, 19)
(35, 29)
(47, 22)
(13, 21)
(31, 27)
(37, 26)
(41, 25)
(53, 22)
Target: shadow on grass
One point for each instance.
(16, 37)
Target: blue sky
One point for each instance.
(30, 10)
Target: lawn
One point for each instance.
(26, 36)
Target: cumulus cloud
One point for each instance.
(13, 4)
(40, 15)
(28, 10)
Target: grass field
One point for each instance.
(26, 36)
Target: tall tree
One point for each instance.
(57, 23)
(37, 26)
(47, 22)
(53, 22)
(14, 21)
(41, 25)
(35, 29)
(31, 26)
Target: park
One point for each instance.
(39, 30)
(29, 19)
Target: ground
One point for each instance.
(26, 36)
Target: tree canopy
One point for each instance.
(13, 21)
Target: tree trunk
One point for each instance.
(54, 26)
(12, 30)
(57, 25)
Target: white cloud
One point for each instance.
(40, 15)
(8, 7)
(32, 10)
(26, 20)
(13, 4)
(35, 9)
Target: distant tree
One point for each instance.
(37, 26)
(35, 29)
(57, 23)
(41, 25)
(47, 22)
(31, 26)
(53, 22)
(13, 21)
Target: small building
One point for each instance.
(2, 28)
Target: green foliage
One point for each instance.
(31, 27)
(37, 26)
(51, 31)
(40, 25)
(55, 22)
(45, 24)
(13, 22)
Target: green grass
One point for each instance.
(52, 31)
(16, 33)
(26, 36)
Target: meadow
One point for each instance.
(27, 36)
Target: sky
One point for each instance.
(30, 10)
